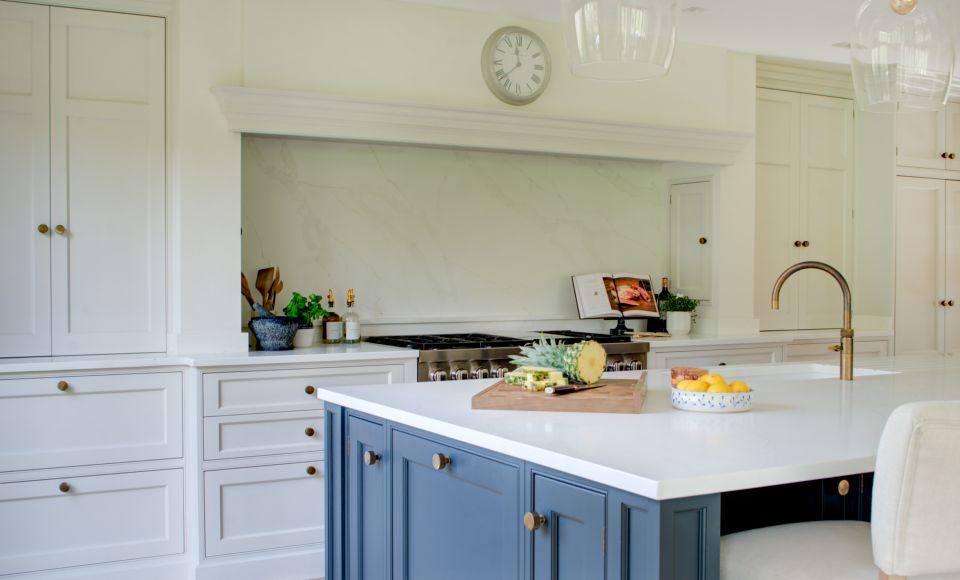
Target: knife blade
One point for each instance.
(567, 389)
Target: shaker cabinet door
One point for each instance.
(569, 544)
(367, 509)
(456, 514)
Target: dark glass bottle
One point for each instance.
(660, 324)
(332, 324)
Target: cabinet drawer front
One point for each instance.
(571, 544)
(288, 390)
(263, 434)
(715, 358)
(98, 519)
(463, 521)
(822, 351)
(95, 419)
(262, 508)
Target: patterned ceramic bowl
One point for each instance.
(711, 402)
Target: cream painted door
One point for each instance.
(825, 206)
(920, 261)
(24, 180)
(951, 266)
(691, 239)
(922, 139)
(778, 188)
(107, 136)
(953, 137)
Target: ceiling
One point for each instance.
(797, 29)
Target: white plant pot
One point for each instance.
(678, 323)
(305, 337)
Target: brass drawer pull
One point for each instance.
(943, 303)
(371, 457)
(310, 431)
(65, 487)
(950, 303)
(63, 386)
(797, 243)
(310, 390)
(60, 229)
(952, 156)
(703, 241)
(944, 155)
(806, 244)
(440, 461)
(836, 348)
(311, 470)
(534, 521)
(843, 488)
(43, 228)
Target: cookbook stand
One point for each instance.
(621, 328)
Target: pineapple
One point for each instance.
(583, 362)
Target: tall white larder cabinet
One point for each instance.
(82, 182)
(927, 288)
(805, 164)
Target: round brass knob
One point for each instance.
(952, 156)
(440, 461)
(534, 521)
(950, 303)
(703, 241)
(944, 155)
(60, 229)
(943, 303)
(371, 457)
(310, 431)
(311, 470)
(797, 243)
(836, 348)
(843, 488)
(43, 228)
(65, 487)
(806, 244)
(63, 385)
(310, 390)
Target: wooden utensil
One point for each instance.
(275, 288)
(263, 283)
(245, 289)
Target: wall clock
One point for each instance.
(516, 65)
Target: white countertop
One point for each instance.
(768, 337)
(334, 353)
(798, 430)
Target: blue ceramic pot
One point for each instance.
(275, 332)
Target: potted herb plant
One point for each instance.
(307, 310)
(679, 309)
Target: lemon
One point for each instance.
(696, 386)
(713, 379)
(739, 387)
(720, 388)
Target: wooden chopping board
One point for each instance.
(616, 396)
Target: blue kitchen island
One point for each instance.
(420, 486)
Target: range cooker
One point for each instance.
(452, 357)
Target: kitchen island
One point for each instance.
(433, 489)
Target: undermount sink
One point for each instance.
(802, 372)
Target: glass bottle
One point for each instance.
(332, 324)
(351, 321)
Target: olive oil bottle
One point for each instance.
(332, 324)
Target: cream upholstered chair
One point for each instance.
(915, 530)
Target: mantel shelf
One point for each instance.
(272, 112)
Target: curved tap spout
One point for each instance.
(846, 333)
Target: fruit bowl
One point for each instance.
(711, 402)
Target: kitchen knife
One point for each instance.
(567, 389)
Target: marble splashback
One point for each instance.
(438, 235)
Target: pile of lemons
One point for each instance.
(713, 384)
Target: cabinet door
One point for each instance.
(107, 182)
(571, 544)
(463, 520)
(825, 206)
(953, 136)
(951, 266)
(367, 509)
(921, 139)
(778, 188)
(24, 179)
(691, 239)
(920, 242)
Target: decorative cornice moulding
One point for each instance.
(145, 7)
(830, 80)
(272, 112)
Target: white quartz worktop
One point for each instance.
(333, 353)
(768, 337)
(799, 429)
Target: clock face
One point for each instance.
(516, 65)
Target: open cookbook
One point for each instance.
(615, 296)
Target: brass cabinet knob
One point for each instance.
(843, 488)
(311, 470)
(703, 241)
(60, 229)
(950, 303)
(371, 457)
(944, 155)
(836, 348)
(440, 461)
(310, 431)
(797, 243)
(63, 385)
(943, 303)
(65, 487)
(534, 521)
(310, 390)
(806, 244)
(952, 156)
(43, 228)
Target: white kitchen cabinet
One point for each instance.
(927, 294)
(24, 180)
(82, 162)
(929, 139)
(805, 157)
(691, 239)
(262, 434)
(715, 356)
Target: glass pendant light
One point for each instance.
(620, 40)
(902, 56)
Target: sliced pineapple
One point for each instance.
(585, 362)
